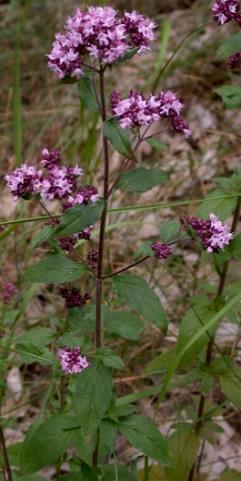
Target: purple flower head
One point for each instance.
(100, 33)
(71, 360)
(140, 30)
(161, 250)
(84, 195)
(9, 291)
(93, 256)
(86, 233)
(225, 10)
(73, 298)
(234, 61)
(180, 125)
(24, 180)
(64, 59)
(138, 111)
(213, 233)
(68, 243)
(59, 182)
(50, 158)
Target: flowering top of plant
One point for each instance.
(138, 111)
(71, 360)
(213, 233)
(101, 34)
(54, 182)
(226, 10)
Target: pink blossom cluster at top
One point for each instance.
(101, 34)
(53, 182)
(9, 291)
(226, 10)
(213, 233)
(138, 111)
(71, 360)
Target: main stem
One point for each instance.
(209, 352)
(7, 472)
(99, 280)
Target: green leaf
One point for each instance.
(87, 93)
(230, 381)
(183, 447)
(235, 247)
(156, 144)
(230, 46)
(196, 317)
(145, 250)
(106, 356)
(32, 477)
(141, 179)
(123, 324)
(229, 475)
(47, 443)
(42, 236)
(93, 394)
(209, 325)
(160, 363)
(170, 231)
(114, 472)
(142, 433)
(136, 292)
(119, 138)
(78, 218)
(231, 96)
(215, 203)
(72, 477)
(108, 434)
(54, 269)
(33, 343)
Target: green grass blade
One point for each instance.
(17, 106)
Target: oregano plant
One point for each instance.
(107, 307)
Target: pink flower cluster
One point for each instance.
(234, 61)
(73, 298)
(226, 10)
(9, 291)
(54, 182)
(161, 250)
(138, 111)
(71, 360)
(101, 34)
(68, 243)
(213, 233)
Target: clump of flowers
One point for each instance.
(136, 111)
(101, 34)
(234, 61)
(93, 257)
(68, 243)
(9, 291)
(84, 195)
(53, 182)
(73, 298)
(213, 233)
(161, 250)
(226, 10)
(24, 181)
(71, 360)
